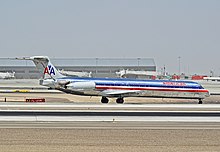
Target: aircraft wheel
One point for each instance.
(120, 100)
(200, 101)
(104, 100)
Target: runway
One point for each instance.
(44, 112)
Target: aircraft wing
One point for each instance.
(116, 93)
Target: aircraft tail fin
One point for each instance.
(45, 67)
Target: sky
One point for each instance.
(161, 29)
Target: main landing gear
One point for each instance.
(104, 100)
(118, 100)
(200, 101)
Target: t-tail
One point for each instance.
(45, 67)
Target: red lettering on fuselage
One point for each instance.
(174, 83)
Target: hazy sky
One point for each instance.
(159, 29)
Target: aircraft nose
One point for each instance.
(208, 93)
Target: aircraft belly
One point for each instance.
(173, 94)
(87, 92)
(91, 92)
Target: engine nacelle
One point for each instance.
(63, 82)
(48, 82)
(87, 85)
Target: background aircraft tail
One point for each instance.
(45, 67)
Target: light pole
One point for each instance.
(179, 65)
(138, 59)
(96, 64)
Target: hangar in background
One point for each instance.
(99, 67)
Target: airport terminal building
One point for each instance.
(98, 67)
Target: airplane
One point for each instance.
(75, 74)
(118, 88)
(7, 75)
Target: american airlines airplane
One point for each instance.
(116, 87)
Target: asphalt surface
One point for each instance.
(111, 113)
(99, 112)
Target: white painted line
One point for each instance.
(112, 110)
(46, 105)
(107, 118)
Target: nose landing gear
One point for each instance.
(200, 101)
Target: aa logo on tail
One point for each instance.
(49, 70)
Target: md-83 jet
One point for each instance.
(118, 88)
